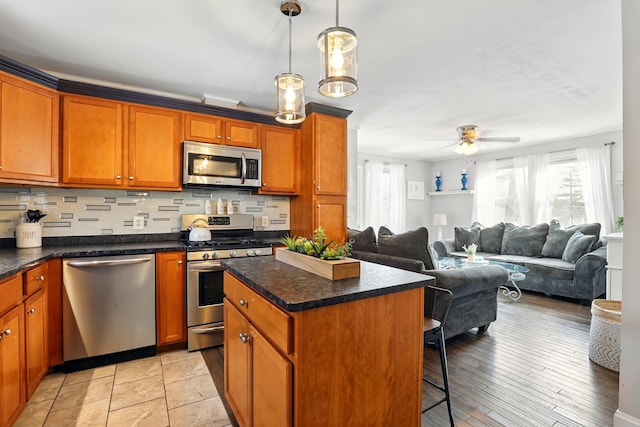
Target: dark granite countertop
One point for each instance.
(294, 289)
(15, 260)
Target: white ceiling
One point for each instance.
(538, 69)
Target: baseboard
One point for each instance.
(621, 419)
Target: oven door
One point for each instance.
(205, 294)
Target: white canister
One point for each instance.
(29, 235)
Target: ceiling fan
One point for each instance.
(469, 136)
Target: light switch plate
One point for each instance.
(138, 222)
(265, 221)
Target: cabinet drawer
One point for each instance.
(10, 292)
(269, 319)
(35, 278)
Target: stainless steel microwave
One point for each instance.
(207, 165)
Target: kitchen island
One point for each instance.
(301, 350)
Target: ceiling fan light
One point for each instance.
(466, 148)
(289, 98)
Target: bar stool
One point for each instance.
(436, 309)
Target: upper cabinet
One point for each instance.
(329, 136)
(216, 130)
(280, 160)
(109, 144)
(29, 117)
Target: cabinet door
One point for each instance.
(36, 339)
(12, 390)
(203, 128)
(237, 351)
(330, 149)
(280, 160)
(29, 117)
(331, 215)
(271, 384)
(171, 297)
(154, 148)
(241, 134)
(54, 311)
(92, 133)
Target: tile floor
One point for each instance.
(170, 389)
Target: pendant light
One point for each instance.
(290, 86)
(339, 50)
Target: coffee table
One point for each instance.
(516, 272)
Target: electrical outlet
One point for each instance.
(265, 221)
(138, 222)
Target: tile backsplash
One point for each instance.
(85, 212)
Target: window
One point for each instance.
(565, 192)
(384, 196)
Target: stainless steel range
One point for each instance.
(231, 237)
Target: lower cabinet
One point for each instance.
(171, 298)
(35, 308)
(258, 379)
(12, 369)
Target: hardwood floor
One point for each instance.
(531, 368)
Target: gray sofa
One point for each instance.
(474, 289)
(568, 262)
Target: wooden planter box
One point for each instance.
(329, 269)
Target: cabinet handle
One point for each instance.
(318, 187)
(264, 184)
(219, 136)
(180, 262)
(31, 311)
(228, 138)
(244, 303)
(5, 332)
(118, 176)
(245, 338)
(130, 177)
(40, 278)
(0, 168)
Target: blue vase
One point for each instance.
(463, 180)
(438, 183)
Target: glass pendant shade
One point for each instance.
(290, 98)
(466, 148)
(339, 57)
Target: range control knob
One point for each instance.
(233, 254)
(216, 255)
(205, 255)
(250, 252)
(258, 252)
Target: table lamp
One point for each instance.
(440, 219)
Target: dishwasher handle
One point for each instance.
(108, 263)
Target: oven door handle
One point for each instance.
(205, 267)
(206, 330)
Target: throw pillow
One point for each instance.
(364, 240)
(556, 239)
(412, 244)
(524, 240)
(491, 238)
(578, 245)
(466, 237)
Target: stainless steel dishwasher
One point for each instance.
(108, 308)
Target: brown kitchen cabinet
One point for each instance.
(216, 130)
(258, 377)
(323, 178)
(54, 311)
(171, 317)
(29, 123)
(109, 144)
(280, 160)
(35, 308)
(311, 367)
(12, 350)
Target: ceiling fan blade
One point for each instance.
(500, 139)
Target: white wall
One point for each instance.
(628, 413)
(458, 207)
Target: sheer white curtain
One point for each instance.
(595, 173)
(372, 193)
(397, 198)
(484, 208)
(539, 205)
(521, 178)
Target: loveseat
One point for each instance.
(568, 262)
(474, 289)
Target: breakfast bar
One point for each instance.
(303, 350)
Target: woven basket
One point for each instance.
(604, 335)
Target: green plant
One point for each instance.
(619, 223)
(318, 246)
(471, 250)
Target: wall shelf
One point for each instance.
(449, 193)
